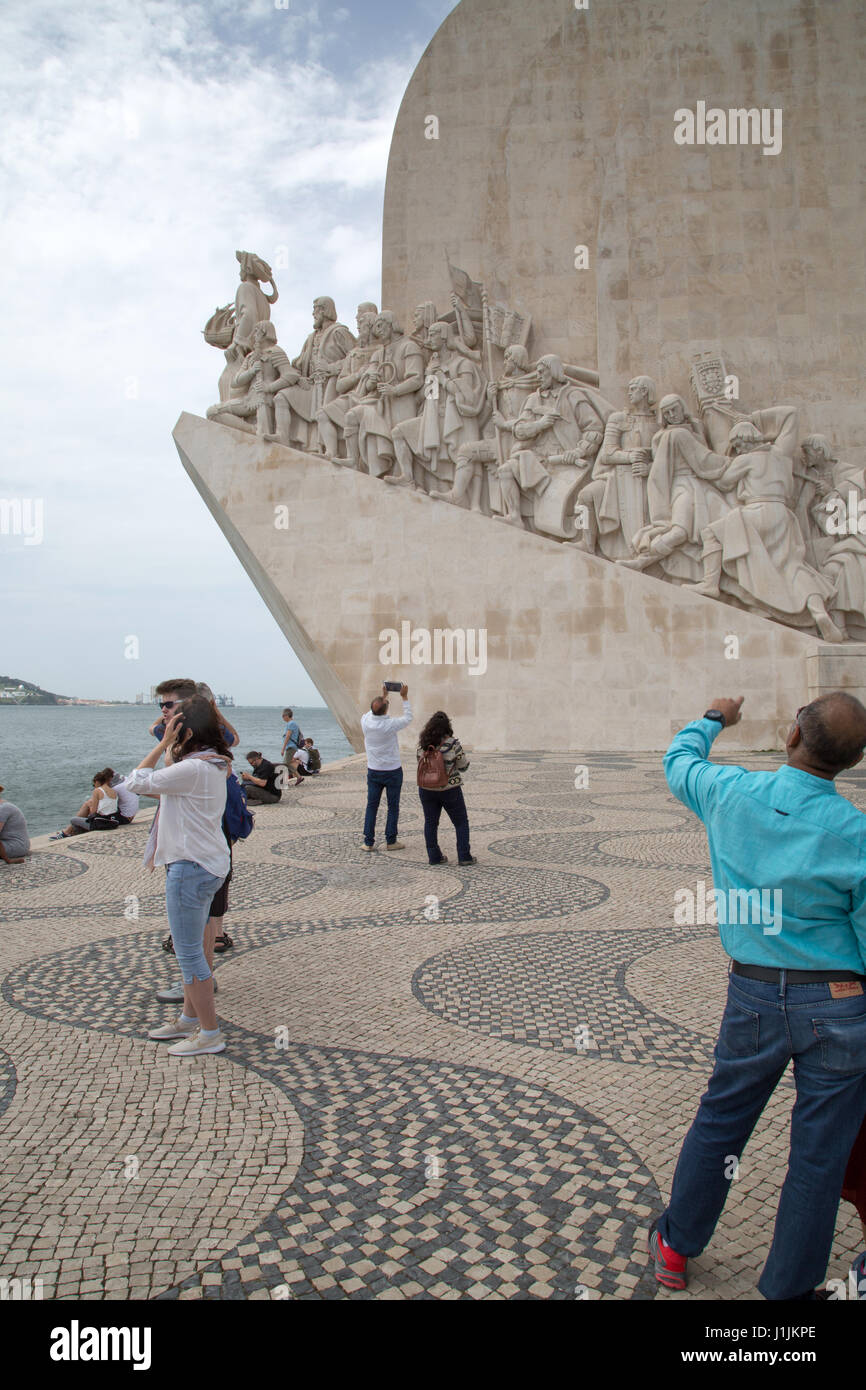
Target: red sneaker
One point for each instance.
(670, 1268)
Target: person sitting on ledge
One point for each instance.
(127, 801)
(14, 839)
(314, 766)
(299, 764)
(99, 811)
(261, 784)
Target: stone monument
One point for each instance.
(646, 371)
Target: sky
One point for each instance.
(142, 146)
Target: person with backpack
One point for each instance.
(171, 693)
(238, 824)
(441, 760)
(187, 836)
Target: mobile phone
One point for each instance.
(393, 685)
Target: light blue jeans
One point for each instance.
(189, 891)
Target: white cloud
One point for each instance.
(142, 145)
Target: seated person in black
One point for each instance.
(261, 785)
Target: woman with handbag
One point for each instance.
(441, 760)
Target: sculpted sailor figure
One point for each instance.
(332, 417)
(453, 400)
(553, 429)
(680, 496)
(252, 304)
(251, 405)
(615, 500)
(840, 516)
(388, 393)
(231, 327)
(316, 369)
(756, 552)
(824, 504)
(423, 318)
(507, 399)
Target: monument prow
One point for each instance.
(580, 655)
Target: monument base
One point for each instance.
(580, 655)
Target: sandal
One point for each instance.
(223, 943)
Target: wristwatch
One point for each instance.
(715, 714)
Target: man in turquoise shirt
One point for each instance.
(789, 872)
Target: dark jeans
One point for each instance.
(764, 1026)
(434, 803)
(377, 782)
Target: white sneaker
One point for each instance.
(196, 1045)
(398, 844)
(174, 1030)
(173, 994)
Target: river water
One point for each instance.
(49, 753)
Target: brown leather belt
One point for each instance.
(771, 975)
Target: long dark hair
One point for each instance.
(199, 715)
(435, 731)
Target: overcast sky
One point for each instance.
(142, 145)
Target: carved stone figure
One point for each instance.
(719, 499)
(251, 408)
(453, 400)
(332, 416)
(824, 485)
(680, 497)
(252, 304)
(318, 366)
(615, 499)
(231, 327)
(757, 549)
(561, 421)
(507, 398)
(388, 393)
(423, 318)
(845, 562)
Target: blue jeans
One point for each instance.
(390, 782)
(451, 802)
(764, 1026)
(189, 892)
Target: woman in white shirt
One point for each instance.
(187, 837)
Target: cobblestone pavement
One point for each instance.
(450, 1082)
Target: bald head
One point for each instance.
(379, 705)
(832, 734)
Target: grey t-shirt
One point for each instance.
(13, 830)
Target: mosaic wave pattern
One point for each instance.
(559, 990)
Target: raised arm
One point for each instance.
(689, 773)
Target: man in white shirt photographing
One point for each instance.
(384, 771)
